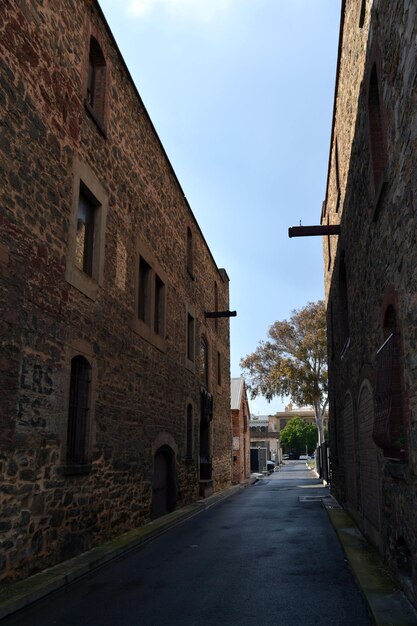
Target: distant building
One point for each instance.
(371, 278)
(262, 436)
(241, 433)
(114, 383)
(279, 420)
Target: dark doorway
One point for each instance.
(163, 485)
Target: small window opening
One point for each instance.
(78, 413)
(337, 174)
(85, 236)
(159, 309)
(96, 79)
(332, 350)
(362, 14)
(190, 337)
(144, 297)
(189, 433)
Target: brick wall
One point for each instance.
(141, 382)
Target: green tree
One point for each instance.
(293, 362)
(298, 435)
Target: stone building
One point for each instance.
(280, 419)
(371, 278)
(241, 433)
(114, 383)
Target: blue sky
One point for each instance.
(241, 95)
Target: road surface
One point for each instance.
(260, 557)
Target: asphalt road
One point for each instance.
(260, 557)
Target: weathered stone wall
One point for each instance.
(241, 442)
(377, 243)
(141, 387)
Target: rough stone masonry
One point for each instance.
(85, 180)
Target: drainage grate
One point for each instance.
(311, 498)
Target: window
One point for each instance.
(79, 411)
(190, 337)
(219, 369)
(189, 433)
(96, 81)
(337, 176)
(190, 253)
(389, 429)
(144, 296)
(343, 307)
(86, 233)
(204, 361)
(377, 138)
(331, 332)
(84, 245)
(159, 306)
(329, 248)
(149, 319)
(362, 14)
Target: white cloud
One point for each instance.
(197, 10)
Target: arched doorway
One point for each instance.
(163, 484)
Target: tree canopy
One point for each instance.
(293, 361)
(298, 435)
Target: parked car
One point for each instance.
(293, 456)
(270, 466)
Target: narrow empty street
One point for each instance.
(263, 556)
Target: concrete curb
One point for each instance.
(18, 595)
(387, 604)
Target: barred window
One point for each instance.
(79, 411)
(343, 307)
(389, 431)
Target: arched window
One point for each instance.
(79, 411)
(204, 362)
(343, 306)
(377, 138)
(96, 80)
(389, 428)
(189, 433)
